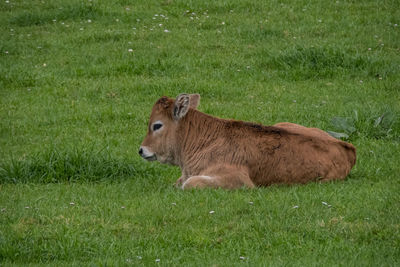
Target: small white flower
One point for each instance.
(81, 29)
(166, 30)
(7, 2)
(395, 25)
(251, 202)
(72, 203)
(157, 260)
(139, 257)
(361, 81)
(6, 52)
(27, 207)
(123, 207)
(223, 23)
(324, 203)
(44, 64)
(369, 49)
(211, 212)
(130, 50)
(242, 258)
(296, 207)
(173, 203)
(160, 25)
(89, 21)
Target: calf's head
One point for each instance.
(160, 142)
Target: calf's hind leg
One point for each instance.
(224, 176)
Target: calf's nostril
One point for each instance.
(140, 151)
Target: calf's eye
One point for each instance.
(157, 126)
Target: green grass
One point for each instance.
(77, 83)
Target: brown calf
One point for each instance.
(213, 152)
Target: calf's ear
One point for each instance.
(194, 100)
(181, 106)
(183, 102)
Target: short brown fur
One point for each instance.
(214, 152)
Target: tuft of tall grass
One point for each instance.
(382, 126)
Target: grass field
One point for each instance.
(77, 83)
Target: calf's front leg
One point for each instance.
(220, 176)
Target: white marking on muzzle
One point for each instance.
(147, 154)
